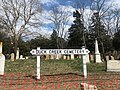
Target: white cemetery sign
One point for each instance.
(39, 52)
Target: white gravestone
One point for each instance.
(47, 57)
(87, 58)
(26, 57)
(113, 65)
(64, 57)
(2, 61)
(51, 56)
(97, 53)
(21, 57)
(80, 56)
(12, 56)
(107, 58)
(72, 56)
(68, 57)
(17, 54)
(112, 58)
(57, 56)
(91, 57)
(60, 56)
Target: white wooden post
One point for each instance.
(2, 60)
(38, 64)
(84, 62)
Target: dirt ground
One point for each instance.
(69, 81)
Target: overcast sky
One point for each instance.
(69, 4)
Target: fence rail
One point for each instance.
(25, 81)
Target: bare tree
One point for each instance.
(108, 22)
(60, 19)
(116, 19)
(100, 8)
(115, 27)
(17, 16)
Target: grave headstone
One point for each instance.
(12, 56)
(52, 56)
(2, 60)
(64, 57)
(47, 57)
(26, 57)
(112, 58)
(21, 57)
(113, 65)
(97, 53)
(17, 54)
(80, 56)
(87, 58)
(91, 57)
(42, 57)
(60, 56)
(107, 58)
(72, 56)
(77, 56)
(57, 56)
(68, 57)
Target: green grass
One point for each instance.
(49, 67)
(20, 66)
(53, 67)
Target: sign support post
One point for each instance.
(84, 62)
(38, 64)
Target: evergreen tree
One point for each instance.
(6, 42)
(53, 39)
(39, 41)
(3, 35)
(116, 41)
(97, 30)
(76, 37)
(57, 42)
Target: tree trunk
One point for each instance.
(103, 51)
(15, 45)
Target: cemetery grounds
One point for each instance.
(56, 75)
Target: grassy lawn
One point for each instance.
(53, 70)
(49, 67)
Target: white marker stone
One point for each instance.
(97, 53)
(17, 54)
